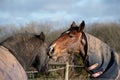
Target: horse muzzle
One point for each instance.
(53, 57)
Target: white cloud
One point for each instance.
(58, 10)
(55, 16)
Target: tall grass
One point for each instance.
(107, 32)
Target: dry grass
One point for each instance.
(107, 32)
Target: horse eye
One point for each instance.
(70, 35)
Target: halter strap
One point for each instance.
(85, 48)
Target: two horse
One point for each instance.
(92, 50)
(21, 51)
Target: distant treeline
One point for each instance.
(107, 32)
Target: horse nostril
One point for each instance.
(52, 50)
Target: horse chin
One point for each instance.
(58, 59)
(61, 59)
(42, 70)
(54, 58)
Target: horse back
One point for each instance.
(10, 68)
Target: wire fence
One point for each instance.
(61, 71)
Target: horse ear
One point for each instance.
(81, 26)
(42, 36)
(73, 24)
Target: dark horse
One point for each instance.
(21, 51)
(91, 49)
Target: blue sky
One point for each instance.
(25, 11)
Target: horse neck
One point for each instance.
(99, 52)
(21, 52)
(96, 45)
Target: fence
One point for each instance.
(57, 67)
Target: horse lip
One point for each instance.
(54, 58)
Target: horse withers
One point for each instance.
(91, 49)
(19, 52)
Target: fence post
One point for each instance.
(67, 71)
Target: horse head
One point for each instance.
(41, 59)
(70, 41)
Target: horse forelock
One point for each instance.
(74, 28)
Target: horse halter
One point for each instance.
(85, 48)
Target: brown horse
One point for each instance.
(91, 49)
(21, 51)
